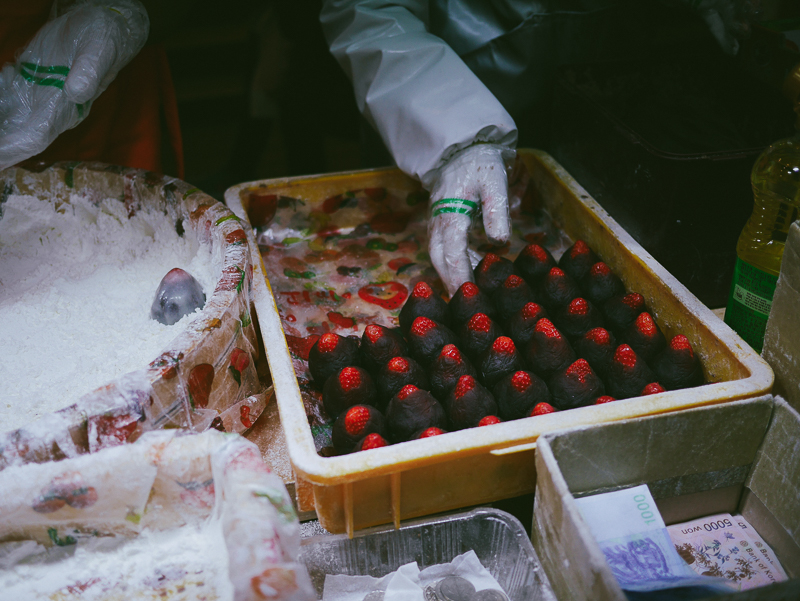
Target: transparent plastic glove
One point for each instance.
(724, 19)
(474, 178)
(68, 64)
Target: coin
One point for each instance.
(454, 588)
(374, 596)
(489, 594)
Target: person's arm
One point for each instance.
(423, 100)
(65, 67)
(441, 124)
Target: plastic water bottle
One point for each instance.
(776, 187)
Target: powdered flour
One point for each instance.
(76, 285)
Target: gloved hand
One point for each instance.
(725, 20)
(474, 178)
(68, 64)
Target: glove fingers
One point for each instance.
(88, 68)
(494, 201)
(448, 249)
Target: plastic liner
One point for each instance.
(172, 479)
(498, 539)
(207, 375)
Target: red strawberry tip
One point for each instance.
(406, 391)
(373, 441)
(355, 420)
(542, 409)
(349, 378)
(521, 381)
(422, 290)
(327, 342)
(398, 365)
(464, 385)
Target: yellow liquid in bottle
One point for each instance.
(776, 188)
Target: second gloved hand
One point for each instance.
(475, 178)
(65, 67)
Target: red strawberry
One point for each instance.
(645, 337)
(492, 271)
(604, 399)
(500, 359)
(427, 337)
(371, 441)
(379, 345)
(628, 373)
(548, 350)
(518, 393)
(597, 346)
(446, 369)
(576, 386)
(621, 311)
(412, 410)
(558, 289)
(677, 366)
(542, 409)
(424, 302)
(533, 262)
(329, 354)
(578, 260)
(577, 318)
(652, 388)
(351, 386)
(522, 324)
(478, 334)
(467, 301)
(489, 420)
(354, 424)
(468, 403)
(601, 285)
(428, 432)
(512, 296)
(397, 373)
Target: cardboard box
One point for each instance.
(782, 339)
(742, 457)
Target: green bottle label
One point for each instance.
(749, 302)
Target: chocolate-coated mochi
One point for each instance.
(412, 410)
(423, 302)
(329, 354)
(518, 393)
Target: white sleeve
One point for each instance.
(423, 100)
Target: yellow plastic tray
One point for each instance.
(482, 465)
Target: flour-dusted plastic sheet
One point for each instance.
(202, 375)
(171, 516)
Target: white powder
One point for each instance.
(76, 285)
(190, 562)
